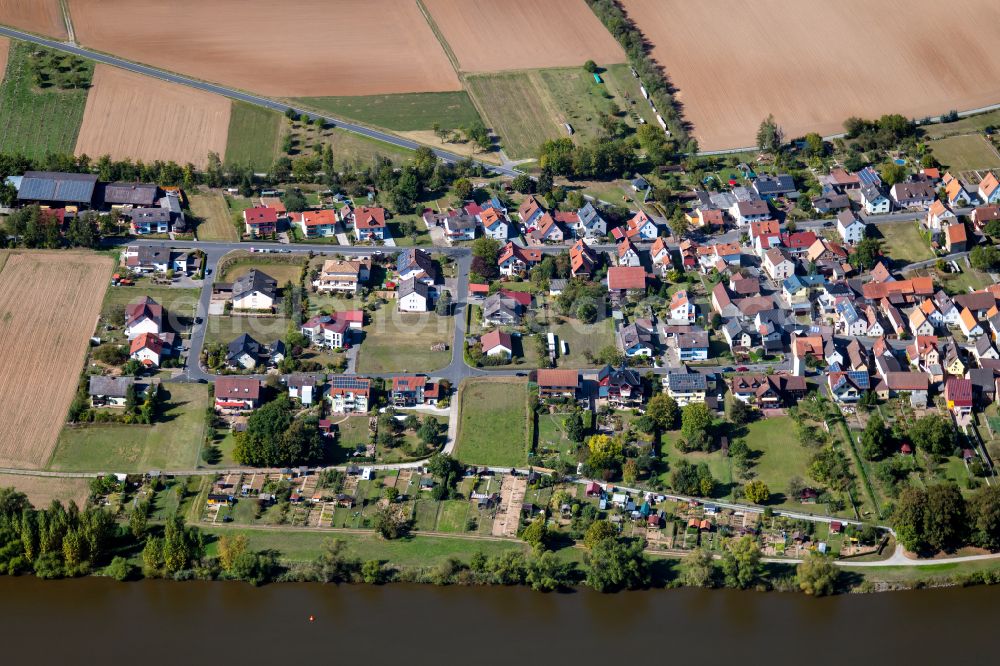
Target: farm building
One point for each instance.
(56, 190)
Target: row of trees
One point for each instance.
(939, 518)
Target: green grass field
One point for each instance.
(401, 341)
(282, 272)
(36, 122)
(215, 220)
(518, 108)
(403, 112)
(903, 243)
(171, 443)
(781, 457)
(492, 429)
(254, 136)
(224, 329)
(582, 338)
(580, 100)
(968, 280)
(965, 152)
(416, 551)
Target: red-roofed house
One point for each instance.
(958, 396)
(369, 223)
(626, 279)
(147, 348)
(260, 221)
(515, 259)
(955, 238)
(234, 395)
(316, 223)
(497, 343)
(989, 189)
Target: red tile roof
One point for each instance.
(260, 215)
(626, 277)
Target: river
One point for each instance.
(154, 622)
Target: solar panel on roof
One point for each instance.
(342, 382)
(53, 186)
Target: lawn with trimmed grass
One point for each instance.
(965, 152)
(214, 219)
(352, 434)
(403, 112)
(224, 329)
(171, 443)
(493, 422)
(254, 136)
(35, 122)
(415, 551)
(778, 457)
(282, 272)
(582, 338)
(401, 341)
(903, 243)
(718, 464)
(970, 279)
(552, 436)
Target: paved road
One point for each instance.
(232, 93)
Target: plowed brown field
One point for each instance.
(41, 16)
(306, 48)
(494, 35)
(813, 63)
(133, 116)
(49, 302)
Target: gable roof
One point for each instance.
(367, 217)
(136, 194)
(237, 388)
(252, 281)
(56, 186)
(495, 338)
(552, 378)
(260, 215)
(626, 277)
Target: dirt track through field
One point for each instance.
(495, 35)
(41, 16)
(137, 117)
(49, 302)
(813, 64)
(306, 48)
(4, 51)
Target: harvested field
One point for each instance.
(901, 58)
(4, 50)
(141, 118)
(49, 302)
(312, 48)
(40, 16)
(554, 33)
(41, 490)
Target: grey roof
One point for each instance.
(151, 215)
(253, 281)
(412, 285)
(55, 186)
(111, 387)
(779, 184)
(244, 345)
(695, 340)
(633, 335)
(414, 258)
(497, 303)
(588, 215)
(136, 194)
(687, 381)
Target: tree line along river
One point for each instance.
(75, 621)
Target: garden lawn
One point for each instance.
(253, 136)
(493, 427)
(224, 329)
(401, 341)
(401, 112)
(582, 338)
(171, 443)
(965, 152)
(415, 551)
(718, 464)
(552, 435)
(281, 272)
(780, 458)
(352, 432)
(215, 220)
(903, 243)
(35, 122)
(968, 280)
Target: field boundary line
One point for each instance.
(432, 24)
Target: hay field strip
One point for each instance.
(4, 52)
(553, 33)
(41, 490)
(43, 17)
(253, 136)
(49, 303)
(133, 116)
(518, 109)
(304, 49)
(813, 64)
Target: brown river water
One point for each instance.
(91, 621)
